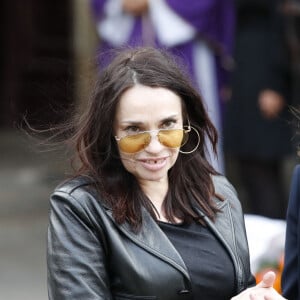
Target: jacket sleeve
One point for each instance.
(291, 272)
(241, 234)
(76, 252)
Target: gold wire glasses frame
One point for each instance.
(172, 138)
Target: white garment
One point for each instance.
(205, 69)
(170, 29)
(116, 26)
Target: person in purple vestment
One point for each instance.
(200, 32)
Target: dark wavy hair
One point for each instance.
(189, 179)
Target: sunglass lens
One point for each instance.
(172, 138)
(135, 143)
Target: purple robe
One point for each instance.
(213, 20)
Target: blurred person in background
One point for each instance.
(201, 32)
(257, 130)
(291, 11)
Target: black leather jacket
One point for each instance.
(90, 256)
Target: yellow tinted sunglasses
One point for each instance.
(172, 138)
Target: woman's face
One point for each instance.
(143, 108)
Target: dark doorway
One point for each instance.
(35, 61)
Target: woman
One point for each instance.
(146, 216)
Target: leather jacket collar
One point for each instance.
(228, 224)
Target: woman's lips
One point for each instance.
(153, 164)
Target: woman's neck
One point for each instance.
(156, 191)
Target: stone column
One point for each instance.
(85, 42)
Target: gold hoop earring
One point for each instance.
(198, 142)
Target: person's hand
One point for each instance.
(262, 291)
(135, 7)
(270, 103)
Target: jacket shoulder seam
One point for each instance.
(73, 184)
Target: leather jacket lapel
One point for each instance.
(153, 240)
(224, 231)
(225, 228)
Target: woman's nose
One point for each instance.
(154, 146)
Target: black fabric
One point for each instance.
(262, 180)
(205, 259)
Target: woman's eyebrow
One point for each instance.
(136, 123)
(170, 117)
(140, 123)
